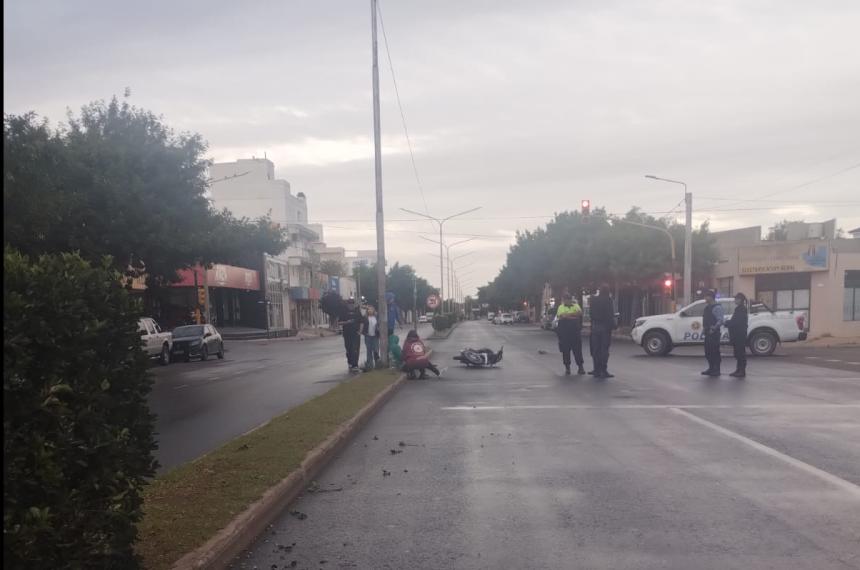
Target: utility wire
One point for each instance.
(402, 113)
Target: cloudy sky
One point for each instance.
(522, 108)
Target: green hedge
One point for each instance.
(442, 322)
(78, 435)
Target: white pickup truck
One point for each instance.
(659, 334)
(156, 342)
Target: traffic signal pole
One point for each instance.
(380, 219)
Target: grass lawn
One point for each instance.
(187, 506)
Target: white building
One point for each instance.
(293, 282)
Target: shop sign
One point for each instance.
(233, 277)
(783, 258)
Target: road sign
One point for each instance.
(433, 302)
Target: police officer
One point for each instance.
(712, 321)
(737, 326)
(569, 331)
(602, 324)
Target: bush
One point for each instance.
(442, 322)
(78, 435)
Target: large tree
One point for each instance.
(115, 180)
(575, 252)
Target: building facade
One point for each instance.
(819, 276)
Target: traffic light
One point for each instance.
(586, 207)
(667, 284)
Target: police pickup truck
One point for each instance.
(659, 334)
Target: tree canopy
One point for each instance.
(332, 267)
(399, 281)
(574, 252)
(117, 181)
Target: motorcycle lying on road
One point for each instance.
(481, 358)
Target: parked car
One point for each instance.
(659, 334)
(505, 319)
(197, 340)
(423, 319)
(491, 317)
(522, 317)
(156, 342)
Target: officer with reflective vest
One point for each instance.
(569, 331)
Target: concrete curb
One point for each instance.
(220, 550)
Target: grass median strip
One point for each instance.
(187, 506)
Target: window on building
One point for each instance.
(724, 287)
(851, 297)
(784, 292)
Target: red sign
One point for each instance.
(433, 302)
(221, 276)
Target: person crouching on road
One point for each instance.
(370, 331)
(602, 325)
(569, 331)
(737, 325)
(415, 357)
(712, 321)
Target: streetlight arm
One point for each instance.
(422, 215)
(652, 177)
(461, 214)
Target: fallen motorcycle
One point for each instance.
(481, 358)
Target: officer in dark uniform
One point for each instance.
(602, 324)
(737, 326)
(712, 321)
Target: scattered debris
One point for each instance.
(406, 470)
(386, 473)
(542, 351)
(404, 444)
(299, 515)
(375, 438)
(243, 447)
(395, 451)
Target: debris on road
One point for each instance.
(299, 515)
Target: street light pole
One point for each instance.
(380, 219)
(441, 222)
(688, 238)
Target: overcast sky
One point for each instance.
(523, 108)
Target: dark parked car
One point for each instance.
(197, 340)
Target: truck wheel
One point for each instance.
(164, 358)
(762, 343)
(656, 343)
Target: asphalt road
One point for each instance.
(201, 405)
(521, 467)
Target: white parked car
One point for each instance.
(423, 319)
(156, 342)
(504, 319)
(659, 334)
(491, 317)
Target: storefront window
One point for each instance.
(785, 291)
(851, 297)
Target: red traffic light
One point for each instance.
(667, 283)
(586, 207)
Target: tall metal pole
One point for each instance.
(688, 238)
(380, 220)
(414, 301)
(441, 270)
(441, 258)
(688, 249)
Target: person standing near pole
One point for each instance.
(602, 324)
(712, 321)
(569, 333)
(737, 325)
(351, 323)
(370, 331)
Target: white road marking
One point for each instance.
(856, 363)
(180, 386)
(812, 470)
(832, 360)
(651, 407)
(813, 357)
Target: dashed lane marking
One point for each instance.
(180, 386)
(832, 360)
(848, 486)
